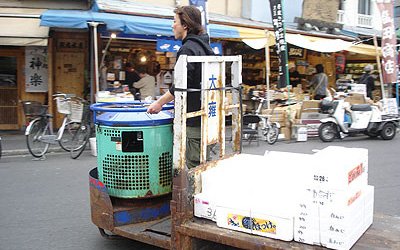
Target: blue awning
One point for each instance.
(130, 24)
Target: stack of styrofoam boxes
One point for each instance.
(253, 194)
(337, 208)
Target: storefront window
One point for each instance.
(8, 71)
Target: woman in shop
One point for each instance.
(319, 82)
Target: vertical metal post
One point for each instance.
(96, 55)
(267, 68)
(378, 62)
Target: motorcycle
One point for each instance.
(355, 119)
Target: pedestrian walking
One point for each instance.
(188, 28)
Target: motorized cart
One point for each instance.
(140, 192)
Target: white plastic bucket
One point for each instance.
(93, 147)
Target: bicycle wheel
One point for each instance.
(69, 132)
(80, 140)
(36, 146)
(272, 134)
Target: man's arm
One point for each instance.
(139, 84)
(156, 106)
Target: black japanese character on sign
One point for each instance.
(36, 80)
(35, 63)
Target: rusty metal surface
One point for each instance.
(132, 211)
(148, 232)
(100, 203)
(383, 234)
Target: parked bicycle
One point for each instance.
(39, 132)
(270, 130)
(82, 135)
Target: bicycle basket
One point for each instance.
(34, 108)
(63, 106)
(76, 111)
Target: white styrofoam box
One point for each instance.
(302, 134)
(204, 207)
(228, 173)
(341, 167)
(262, 224)
(342, 226)
(317, 206)
(93, 146)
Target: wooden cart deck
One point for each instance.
(383, 234)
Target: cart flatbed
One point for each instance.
(383, 234)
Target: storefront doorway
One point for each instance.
(10, 80)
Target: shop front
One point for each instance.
(23, 63)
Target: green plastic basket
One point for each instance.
(135, 162)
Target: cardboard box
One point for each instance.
(276, 115)
(311, 106)
(355, 99)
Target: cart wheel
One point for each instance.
(388, 131)
(372, 134)
(109, 236)
(327, 131)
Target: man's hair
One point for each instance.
(190, 17)
(319, 68)
(141, 69)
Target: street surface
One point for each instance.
(45, 203)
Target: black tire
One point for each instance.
(327, 132)
(388, 131)
(80, 140)
(1, 149)
(33, 140)
(272, 134)
(69, 132)
(372, 134)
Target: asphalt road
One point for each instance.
(44, 204)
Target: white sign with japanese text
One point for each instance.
(213, 97)
(36, 69)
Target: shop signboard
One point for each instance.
(296, 52)
(281, 46)
(389, 62)
(166, 45)
(36, 69)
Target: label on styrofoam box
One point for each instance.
(204, 207)
(257, 223)
(306, 223)
(342, 226)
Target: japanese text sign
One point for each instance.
(389, 63)
(281, 48)
(36, 69)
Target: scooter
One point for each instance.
(355, 119)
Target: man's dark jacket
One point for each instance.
(194, 45)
